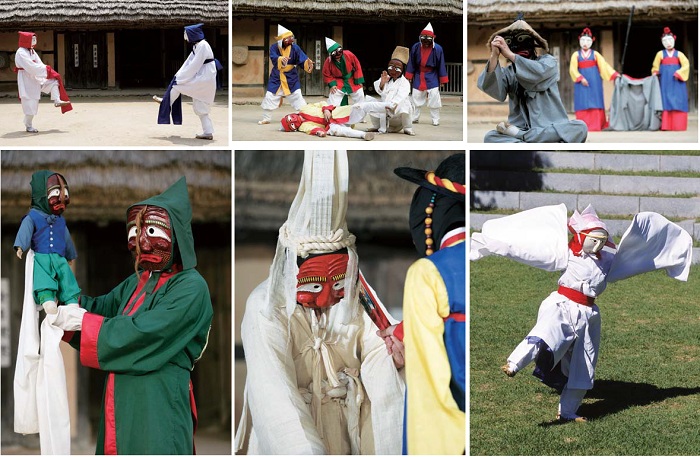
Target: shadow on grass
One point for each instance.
(616, 396)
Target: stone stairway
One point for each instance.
(508, 182)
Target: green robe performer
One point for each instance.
(148, 332)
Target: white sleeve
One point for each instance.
(652, 242)
(537, 237)
(200, 52)
(385, 388)
(37, 69)
(282, 421)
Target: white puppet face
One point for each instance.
(186, 39)
(594, 241)
(668, 41)
(33, 41)
(585, 42)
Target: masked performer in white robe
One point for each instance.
(565, 340)
(536, 113)
(394, 89)
(35, 77)
(320, 380)
(196, 78)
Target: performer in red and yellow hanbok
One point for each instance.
(673, 69)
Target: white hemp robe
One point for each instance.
(309, 392)
(396, 93)
(32, 81)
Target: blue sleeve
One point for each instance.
(71, 253)
(411, 66)
(24, 235)
(274, 55)
(442, 72)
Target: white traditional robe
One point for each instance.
(32, 81)
(311, 392)
(195, 78)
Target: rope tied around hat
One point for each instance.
(432, 178)
(304, 245)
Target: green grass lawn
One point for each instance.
(646, 398)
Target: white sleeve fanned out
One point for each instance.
(652, 242)
(537, 237)
(282, 422)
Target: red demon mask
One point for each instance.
(321, 280)
(150, 237)
(291, 122)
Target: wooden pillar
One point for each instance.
(111, 62)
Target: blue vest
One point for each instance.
(451, 263)
(48, 238)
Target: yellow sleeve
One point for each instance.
(307, 66)
(657, 63)
(684, 71)
(434, 422)
(606, 71)
(573, 67)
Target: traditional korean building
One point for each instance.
(371, 30)
(103, 184)
(561, 22)
(108, 44)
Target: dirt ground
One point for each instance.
(109, 120)
(481, 120)
(247, 113)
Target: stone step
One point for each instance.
(604, 204)
(616, 227)
(523, 160)
(574, 182)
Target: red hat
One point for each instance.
(428, 30)
(286, 120)
(25, 39)
(667, 31)
(588, 32)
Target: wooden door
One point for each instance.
(86, 60)
(311, 38)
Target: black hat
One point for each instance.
(452, 169)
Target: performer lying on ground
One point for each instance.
(196, 78)
(565, 340)
(320, 119)
(33, 78)
(536, 113)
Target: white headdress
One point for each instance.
(586, 220)
(315, 225)
(282, 33)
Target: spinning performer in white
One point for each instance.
(565, 340)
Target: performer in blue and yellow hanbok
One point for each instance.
(673, 69)
(588, 69)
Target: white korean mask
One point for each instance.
(594, 241)
(33, 41)
(585, 42)
(668, 42)
(186, 39)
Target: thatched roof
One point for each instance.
(365, 9)
(490, 12)
(378, 201)
(104, 183)
(70, 13)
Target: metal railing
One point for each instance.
(454, 86)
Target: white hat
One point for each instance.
(586, 220)
(282, 32)
(316, 225)
(428, 30)
(331, 45)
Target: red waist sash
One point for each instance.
(576, 296)
(670, 61)
(587, 63)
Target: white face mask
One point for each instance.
(668, 42)
(33, 41)
(186, 39)
(585, 42)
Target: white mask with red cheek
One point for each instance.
(668, 42)
(585, 42)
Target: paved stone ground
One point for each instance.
(247, 113)
(481, 119)
(109, 118)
